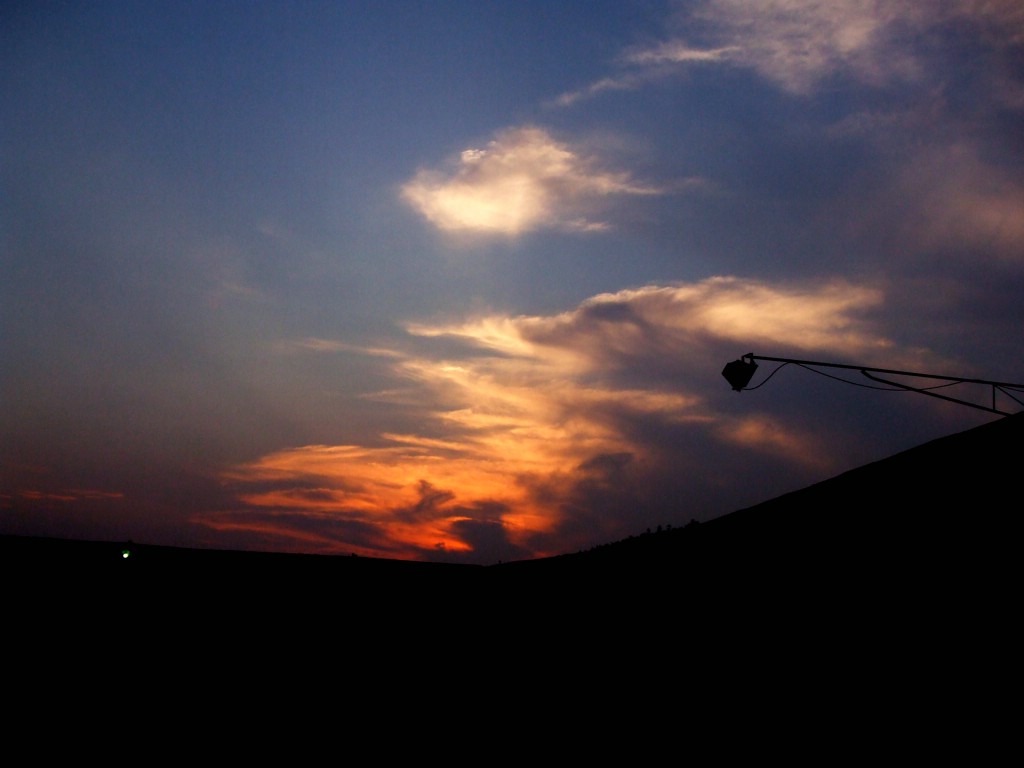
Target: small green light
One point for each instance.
(125, 553)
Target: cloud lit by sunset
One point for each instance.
(523, 180)
(535, 409)
(457, 281)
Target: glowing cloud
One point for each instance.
(522, 181)
(659, 320)
(542, 422)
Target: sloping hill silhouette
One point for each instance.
(953, 499)
(947, 506)
(881, 599)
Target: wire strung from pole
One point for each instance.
(869, 386)
(829, 376)
(889, 385)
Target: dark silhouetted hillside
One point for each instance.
(935, 524)
(948, 506)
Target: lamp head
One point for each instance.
(739, 372)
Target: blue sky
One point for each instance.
(456, 281)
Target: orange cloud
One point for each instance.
(545, 417)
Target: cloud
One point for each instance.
(934, 194)
(621, 83)
(650, 66)
(763, 433)
(523, 180)
(527, 440)
(677, 52)
(798, 44)
(314, 344)
(653, 320)
(951, 199)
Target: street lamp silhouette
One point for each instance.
(739, 373)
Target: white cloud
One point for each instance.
(521, 181)
(649, 63)
(623, 83)
(676, 52)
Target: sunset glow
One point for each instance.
(533, 409)
(456, 282)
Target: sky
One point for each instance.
(456, 281)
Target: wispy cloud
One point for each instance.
(546, 420)
(798, 44)
(522, 180)
(813, 316)
(69, 495)
(314, 344)
(646, 65)
(678, 52)
(953, 200)
(945, 189)
(626, 82)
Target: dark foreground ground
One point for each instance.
(873, 614)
